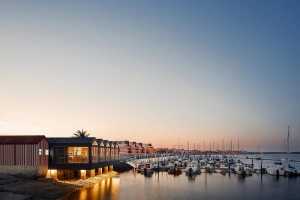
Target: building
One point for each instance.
(24, 154)
(149, 149)
(64, 157)
(81, 157)
(130, 149)
(124, 149)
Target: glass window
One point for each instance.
(95, 154)
(40, 152)
(46, 152)
(102, 153)
(78, 154)
(59, 155)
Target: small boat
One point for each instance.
(239, 169)
(222, 169)
(276, 169)
(192, 169)
(140, 168)
(290, 171)
(248, 170)
(258, 170)
(174, 170)
(209, 168)
(148, 170)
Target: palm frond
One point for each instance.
(81, 133)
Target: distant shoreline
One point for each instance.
(267, 152)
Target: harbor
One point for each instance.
(150, 100)
(243, 165)
(163, 185)
(201, 176)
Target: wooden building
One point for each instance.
(24, 154)
(80, 157)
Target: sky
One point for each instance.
(165, 72)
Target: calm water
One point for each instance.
(160, 186)
(205, 186)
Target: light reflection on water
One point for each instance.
(205, 186)
(105, 189)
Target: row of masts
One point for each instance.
(212, 145)
(228, 146)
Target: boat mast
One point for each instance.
(238, 144)
(288, 140)
(223, 145)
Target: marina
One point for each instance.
(199, 176)
(150, 100)
(162, 185)
(244, 165)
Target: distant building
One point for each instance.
(124, 148)
(132, 148)
(149, 148)
(128, 149)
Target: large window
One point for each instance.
(102, 153)
(107, 153)
(78, 154)
(95, 154)
(59, 155)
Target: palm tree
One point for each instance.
(81, 133)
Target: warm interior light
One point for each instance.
(51, 173)
(82, 173)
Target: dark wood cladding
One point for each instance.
(100, 153)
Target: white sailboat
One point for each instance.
(283, 167)
(288, 168)
(192, 168)
(277, 169)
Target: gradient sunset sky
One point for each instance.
(165, 72)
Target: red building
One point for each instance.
(28, 154)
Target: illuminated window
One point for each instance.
(78, 154)
(95, 154)
(40, 152)
(46, 152)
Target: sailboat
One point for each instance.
(283, 167)
(277, 169)
(192, 168)
(289, 170)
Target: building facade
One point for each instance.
(80, 157)
(24, 154)
(64, 157)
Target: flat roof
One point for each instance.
(21, 139)
(71, 140)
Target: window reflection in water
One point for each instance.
(105, 189)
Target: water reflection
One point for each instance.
(205, 186)
(107, 189)
(191, 178)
